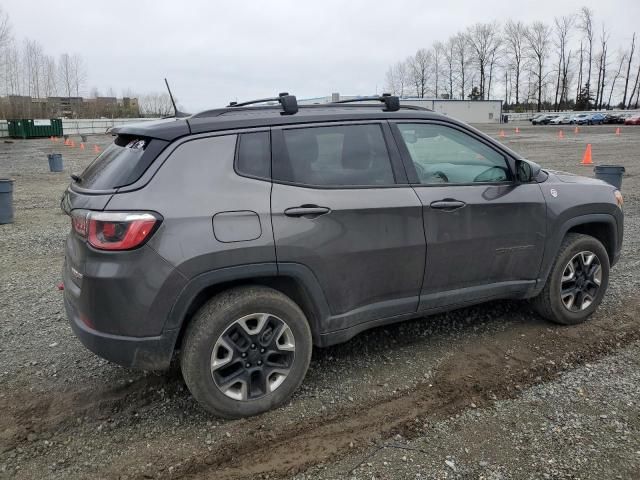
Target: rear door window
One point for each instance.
(121, 163)
(340, 155)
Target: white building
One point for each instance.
(469, 111)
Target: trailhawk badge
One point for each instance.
(554, 192)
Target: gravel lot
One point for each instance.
(491, 391)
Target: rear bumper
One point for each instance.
(147, 353)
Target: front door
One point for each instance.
(342, 209)
(485, 231)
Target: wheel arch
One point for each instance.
(294, 280)
(601, 226)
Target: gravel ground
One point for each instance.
(69, 414)
(583, 425)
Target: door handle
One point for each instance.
(309, 211)
(448, 204)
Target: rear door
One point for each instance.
(484, 231)
(342, 209)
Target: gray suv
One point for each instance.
(236, 239)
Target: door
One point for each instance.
(342, 209)
(484, 230)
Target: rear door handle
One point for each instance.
(309, 211)
(447, 204)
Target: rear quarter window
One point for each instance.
(122, 163)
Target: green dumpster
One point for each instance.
(34, 128)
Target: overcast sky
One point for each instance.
(215, 51)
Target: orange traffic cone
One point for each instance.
(517, 130)
(560, 134)
(586, 158)
(576, 130)
(96, 149)
(81, 146)
(618, 131)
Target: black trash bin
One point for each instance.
(6, 200)
(611, 174)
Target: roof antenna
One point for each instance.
(178, 113)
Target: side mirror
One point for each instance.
(527, 171)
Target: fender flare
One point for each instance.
(300, 274)
(554, 243)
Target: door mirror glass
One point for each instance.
(527, 171)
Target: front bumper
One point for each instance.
(147, 353)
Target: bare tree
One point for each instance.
(79, 74)
(538, 40)
(418, 68)
(5, 29)
(626, 80)
(13, 70)
(484, 41)
(65, 74)
(49, 77)
(515, 33)
(494, 57)
(586, 25)
(33, 62)
(580, 63)
(461, 50)
(623, 58)
(438, 58)
(396, 79)
(563, 28)
(156, 104)
(449, 59)
(633, 90)
(602, 68)
(5, 42)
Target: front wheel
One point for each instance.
(577, 282)
(246, 351)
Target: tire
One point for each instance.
(227, 316)
(550, 304)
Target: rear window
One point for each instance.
(122, 163)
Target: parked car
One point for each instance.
(238, 238)
(633, 119)
(560, 120)
(596, 119)
(543, 119)
(580, 119)
(537, 118)
(612, 118)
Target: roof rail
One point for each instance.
(288, 102)
(391, 102)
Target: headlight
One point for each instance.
(619, 199)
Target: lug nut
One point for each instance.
(248, 365)
(262, 350)
(259, 362)
(253, 345)
(244, 355)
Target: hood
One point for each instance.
(567, 177)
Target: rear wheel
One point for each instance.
(246, 351)
(577, 282)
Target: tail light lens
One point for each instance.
(114, 230)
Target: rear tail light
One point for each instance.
(114, 230)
